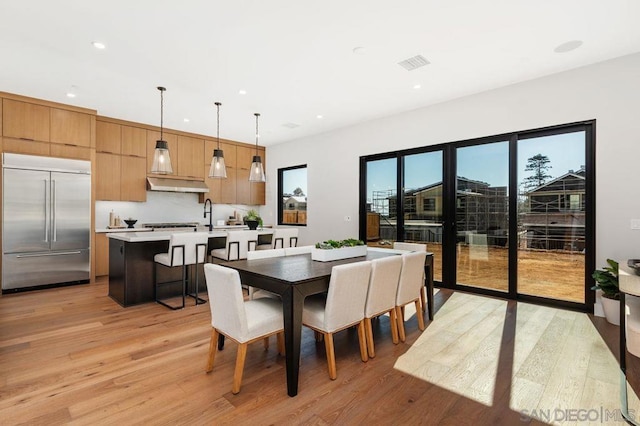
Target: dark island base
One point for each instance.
(131, 270)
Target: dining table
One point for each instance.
(294, 278)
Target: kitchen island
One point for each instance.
(131, 262)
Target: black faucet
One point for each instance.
(209, 212)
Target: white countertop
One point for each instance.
(138, 237)
(106, 230)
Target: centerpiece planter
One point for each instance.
(335, 250)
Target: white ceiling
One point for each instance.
(294, 58)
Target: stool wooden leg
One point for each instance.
(393, 323)
(363, 341)
(331, 356)
(400, 322)
(419, 314)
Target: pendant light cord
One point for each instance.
(257, 115)
(218, 124)
(161, 89)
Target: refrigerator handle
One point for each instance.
(46, 216)
(53, 209)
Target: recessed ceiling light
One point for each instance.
(417, 86)
(319, 117)
(186, 120)
(242, 92)
(99, 45)
(71, 95)
(568, 46)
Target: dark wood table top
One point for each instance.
(295, 269)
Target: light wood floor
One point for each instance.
(73, 356)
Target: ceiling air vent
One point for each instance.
(291, 125)
(414, 63)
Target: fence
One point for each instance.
(298, 217)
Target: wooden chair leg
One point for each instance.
(369, 332)
(331, 356)
(393, 323)
(400, 322)
(237, 374)
(280, 341)
(266, 343)
(423, 298)
(419, 314)
(213, 344)
(318, 336)
(363, 341)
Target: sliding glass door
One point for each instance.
(423, 203)
(552, 200)
(482, 216)
(509, 215)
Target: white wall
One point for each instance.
(608, 92)
(165, 207)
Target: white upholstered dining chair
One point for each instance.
(243, 322)
(237, 245)
(397, 245)
(342, 308)
(282, 238)
(410, 288)
(381, 296)
(255, 293)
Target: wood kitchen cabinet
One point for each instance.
(133, 178)
(134, 141)
(108, 137)
(23, 120)
(244, 155)
(108, 176)
(33, 129)
(190, 156)
(102, 254)
(22, 146)
(243, 187)
(70, 127)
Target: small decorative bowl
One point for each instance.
(130, 222)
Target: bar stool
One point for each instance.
(185, 249)
(237, 245)
(282, 238)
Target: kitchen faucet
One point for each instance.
(208, 200)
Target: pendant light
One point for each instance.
(218, 169)
(161, 159)
(257, 171)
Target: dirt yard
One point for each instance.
(552, 274)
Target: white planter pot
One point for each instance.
(611, 309)
(337, 254)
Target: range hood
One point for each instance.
(176, 185)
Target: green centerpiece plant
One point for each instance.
(333, 244)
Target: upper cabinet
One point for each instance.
(121, 162)
(134, 141)
(70, 127)
(44, 129)
(108, 137)
(23, 120)
(190, 155)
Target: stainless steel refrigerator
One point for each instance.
(46, 221)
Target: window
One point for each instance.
(292, 193)
(429, 204)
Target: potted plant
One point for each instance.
(607, 281)
(253, 219)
